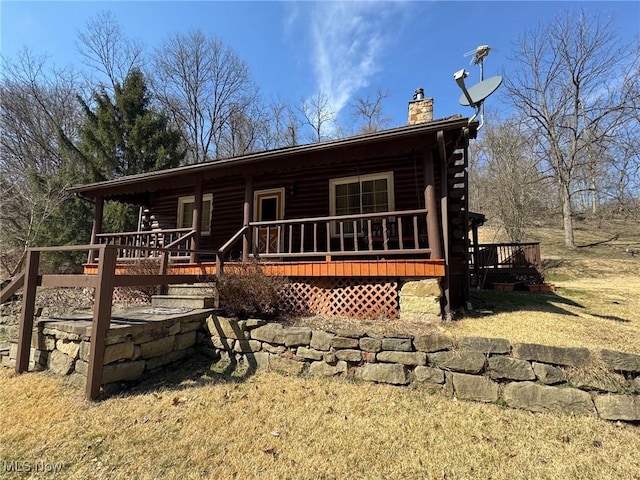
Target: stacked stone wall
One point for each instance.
(533, 377)
(130, 350)
(528, 376)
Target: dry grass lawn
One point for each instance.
(269, 426)
(196, 424)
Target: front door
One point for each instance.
(268, 206)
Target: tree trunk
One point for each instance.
(567, 217)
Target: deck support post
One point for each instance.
(476, 254)
(96, 229)
(444, 212)
(28, 310)
(196, 222)
(101, 319)
(433, 229)
(247, 213)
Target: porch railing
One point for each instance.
(508, 255)
(129, 243)
(397, 232)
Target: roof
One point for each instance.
(197, 170)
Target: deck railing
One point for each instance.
(397, 232)
(508, 255)
(129, 243)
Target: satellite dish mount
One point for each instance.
(476, 95)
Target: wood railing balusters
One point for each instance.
(302, 237)
(328, 237)
(355, 235)
(400, 238)
(341, 236)
(291, 238)
(385, 235)
(315, 237)
(278, 246)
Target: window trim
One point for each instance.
(207, 197)
(333, 182)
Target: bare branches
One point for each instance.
(367, 112)
(203, 84)
(104, 48)
(317, 113)
(569, 86)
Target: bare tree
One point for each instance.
(569, 87)
(317, 113)
(247, 131)
(105, 49)
(38, 110)
(203, 84)
(367, 112)
(283, 126)
(505, 182)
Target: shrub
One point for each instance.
(245, 290)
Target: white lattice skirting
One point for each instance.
(349, 297)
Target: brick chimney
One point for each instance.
(420, 108)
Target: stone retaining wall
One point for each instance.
(131, 350)
(528, 376)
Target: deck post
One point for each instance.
(476, 254)
(247, 213)
(196, 222)
(28, 310)
(96, 229)
(433, 229)
(101, 319)
(444, 212)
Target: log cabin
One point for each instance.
(356, 217)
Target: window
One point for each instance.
(185, 212)
(362, 194)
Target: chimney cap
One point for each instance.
(418, 94)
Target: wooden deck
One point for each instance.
(419, 268)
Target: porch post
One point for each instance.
(476, 254)
(248, 207)
(444, 212)
(196, 222)
(433, 229)
(96, 229)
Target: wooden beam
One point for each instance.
(444, 212)
(101, 320)
(247, 215)
(67, 281)
(142, 280)
(8, 291)
(28, 310)
(433, 227)
(196, 222)
(96, 229)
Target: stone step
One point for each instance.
(174, 301)
(193, 290)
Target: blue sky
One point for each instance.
(295, 49)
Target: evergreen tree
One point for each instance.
(125, 135)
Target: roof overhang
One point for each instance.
(153, 181)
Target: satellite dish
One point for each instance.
(476, 94)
